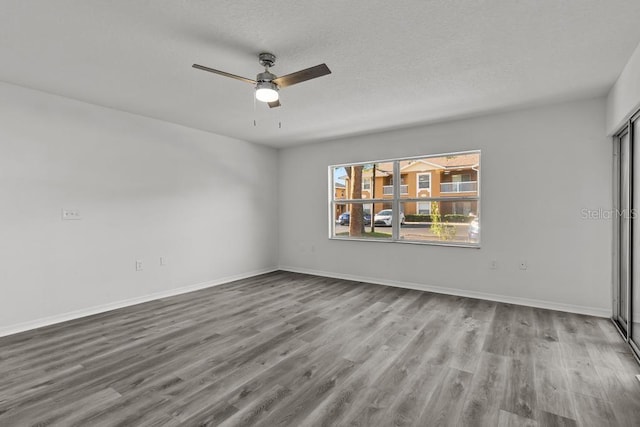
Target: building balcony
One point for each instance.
(459, 187)
(387, 190)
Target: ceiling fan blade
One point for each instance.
(274, 104)
(302, 75)
(222, 73)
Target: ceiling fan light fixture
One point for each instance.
(266, 92)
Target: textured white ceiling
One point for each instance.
(394, 63)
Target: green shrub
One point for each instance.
(418, 218)
(444, 231)
(457, 218)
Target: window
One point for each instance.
(423, 208)
(424, 181)
(435, 201)
(366, 184)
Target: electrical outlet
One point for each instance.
(138, 265)
(493, 265)
(163, 260)
(523, 265)
(70, 214)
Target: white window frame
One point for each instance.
(397, 200)
(418, 175)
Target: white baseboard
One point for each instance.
(47, 321)
(591, 311)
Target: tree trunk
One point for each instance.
(356, 221)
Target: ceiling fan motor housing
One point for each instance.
(265, 77)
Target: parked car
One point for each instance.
(384, 217)
(344, 218)
(474, 230)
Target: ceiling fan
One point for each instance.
(267, 84)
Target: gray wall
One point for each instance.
(541, 168)
(145, 189)
(218, 208)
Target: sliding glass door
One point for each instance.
(626, 302)
(634, 291)
(621, 303)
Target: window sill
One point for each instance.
(409, 242)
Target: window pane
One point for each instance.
(456, 176)
(363, 181)
(355, 220)
(635, 281)
(625, 230)
(339, 183)
(447, 221)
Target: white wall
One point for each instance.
(144, 188)
(624, 97)
(540, 168)
(209, 204)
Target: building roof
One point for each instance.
(458, 161)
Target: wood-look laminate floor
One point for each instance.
(297, 350)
